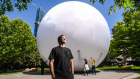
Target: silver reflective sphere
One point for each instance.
(85, 28)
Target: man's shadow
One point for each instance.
(47, 72)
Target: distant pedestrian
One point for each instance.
(61, 61)
(86, 67)
(93, 66)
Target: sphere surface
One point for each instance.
(84, 27)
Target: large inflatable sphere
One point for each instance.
(84, 27)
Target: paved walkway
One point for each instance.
(103, 74)
(132, 76)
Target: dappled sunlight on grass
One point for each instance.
(118, 68)
(38, 68)
(18, 72)
(8, 73)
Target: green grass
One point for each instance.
(9, 73)
(38, 68)
(118, 68)
(108, 67)
(18, 72)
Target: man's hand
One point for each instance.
(52, 68)
(53, 76)
(72, 66)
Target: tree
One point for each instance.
(127, 36)
(8, 5)
(126, 4)
(17, 44)
(112, 53)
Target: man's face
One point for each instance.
(63, 38)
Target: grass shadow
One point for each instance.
(46, 72)
(121, 70)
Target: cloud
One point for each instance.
(34, 4)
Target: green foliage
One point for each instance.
(126, 4)
(8, 5)
(18, 46)
(112, 53)
(125, 41)
(101, 1)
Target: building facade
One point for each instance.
(39, 15)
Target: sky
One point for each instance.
(29, 15)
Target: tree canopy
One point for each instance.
(125, 41)
(126, 4)
(17, 43)
(8, 5)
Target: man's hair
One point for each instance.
(60, 39)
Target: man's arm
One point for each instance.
(72, 66)
(52, 68)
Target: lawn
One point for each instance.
(137, 68)
(18, 72)
(8, 73)
(38, 68)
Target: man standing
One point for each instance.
(61, 63)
